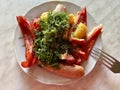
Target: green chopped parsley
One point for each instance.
(49, 43)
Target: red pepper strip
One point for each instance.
(68, 58)
(79, 54)
(81, 17)
(25, 27)
(28, 40)
(27, 64)
(69, 32)
(92, 39)
(94, 33)
(79, 61)
(81, 42)
(84, 51)
(83, 55)
(35, 24)
(34, 59)
(90, 46)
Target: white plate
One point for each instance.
(36, 72)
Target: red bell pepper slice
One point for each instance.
(81, 17)
(94, 33)
(35, 24)
(92, 39)
(79, 54)
(25, 27)
(68, 58)
(84, 51)
(80, 42)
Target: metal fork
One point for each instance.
(109, 61)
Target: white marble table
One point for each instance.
(12, 77)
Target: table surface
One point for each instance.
(12, 77)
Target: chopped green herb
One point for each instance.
(49, 43)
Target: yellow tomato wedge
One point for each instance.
(71, 19)
(81, 31)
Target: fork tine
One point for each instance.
(107, 56)
(107, 60)
(98, 54)
(106, 64)
(95, 54)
